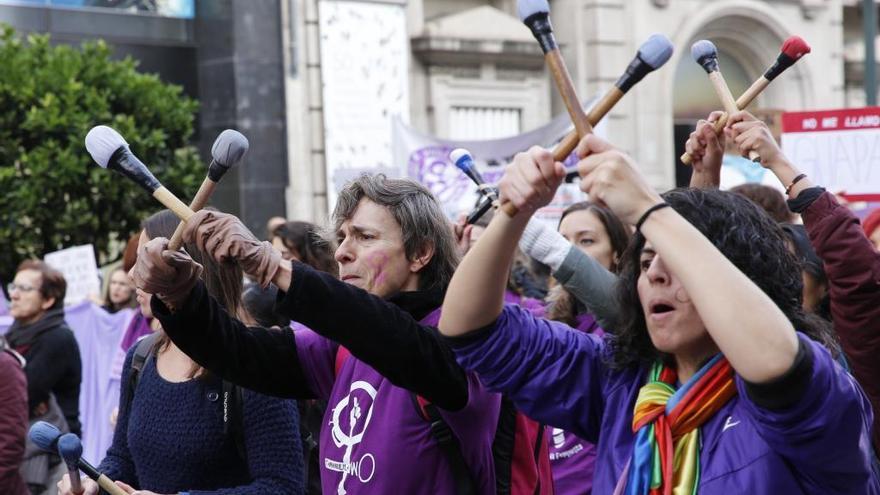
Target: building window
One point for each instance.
(480, 123)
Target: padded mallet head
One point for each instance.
(705, 53)
(528, 8)
(795, 47)
(462, 159)
(792, 50)
(535, 14)
(229, 147)
(44, 435)
(656, 51)
(653, 53)
(102, 142)
(70, 449)
(109, 150)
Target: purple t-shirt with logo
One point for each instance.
(572, 459)
(373, 437)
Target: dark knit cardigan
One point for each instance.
(172, 439)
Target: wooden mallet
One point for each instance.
(109, 150)
(47, 437)
(228, 150)
(792, 50)
(535, 14)
(652, 54)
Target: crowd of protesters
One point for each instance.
(695, 341)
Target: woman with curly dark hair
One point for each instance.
(706, 386)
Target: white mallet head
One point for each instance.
(102, 142)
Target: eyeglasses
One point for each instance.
(18, 287)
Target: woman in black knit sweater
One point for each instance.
(170, 435)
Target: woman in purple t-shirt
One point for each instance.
(706, 386)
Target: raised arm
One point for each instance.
(707, 150)
(851, 262)
(411, 355)
(476, 293)
(264, 360)
(760, 343)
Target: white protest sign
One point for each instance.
(80, 271)
(838, 149)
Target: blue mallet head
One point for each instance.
(462, 159)
(70, 449)
(656, 51)
(44, 435)
(705, 53)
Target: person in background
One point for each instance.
(170, 435)
(13, 420)
(40, 334)
(302, 241)
(769, 199)
(598, 233)
(120, 293)
(870, 225)
(54, 365)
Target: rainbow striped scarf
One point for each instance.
(666, 453)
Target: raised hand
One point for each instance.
(707, 148)
(751, 134)
(170, 275)
(609, 177)
(224, 238)
(531, 180)
(88, 485)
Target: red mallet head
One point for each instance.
(795, 47)
(792, 50)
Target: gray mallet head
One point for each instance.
(535, 14)
(44, 435)
(70, 449)
(229, 148)
(102, 142)
(653, 53)
(705, 53)
(656, 51)
(528, 8)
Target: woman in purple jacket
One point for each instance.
(706, 386)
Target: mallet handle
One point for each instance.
(597, 113)
(109, 486)
(198, 202)
(75, 483)
(742, 103)
(582, 124)
(754, 90)
(566, 90)
(727, 101)
(171, 202)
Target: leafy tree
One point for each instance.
(52, 195)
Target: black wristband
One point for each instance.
(647, 213)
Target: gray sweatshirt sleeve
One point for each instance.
(591, 284)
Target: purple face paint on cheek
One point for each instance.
(376, 263)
